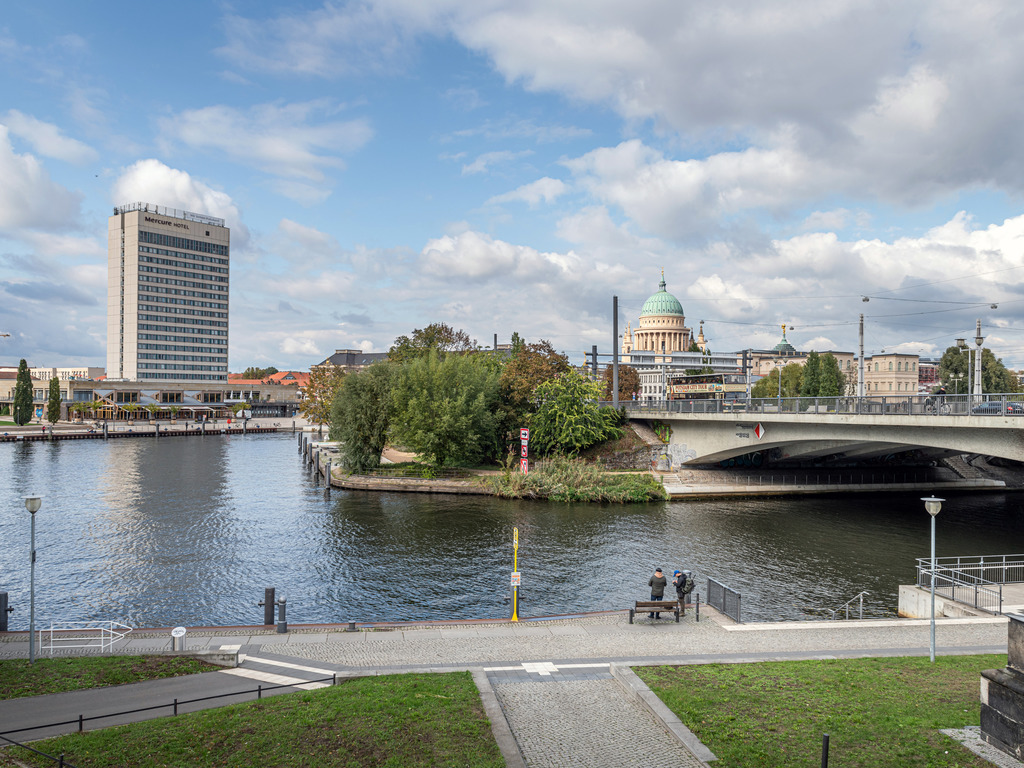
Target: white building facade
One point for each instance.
(167, 295)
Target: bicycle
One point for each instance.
(937, 407)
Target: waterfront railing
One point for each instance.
(963, 579)
(724, 599)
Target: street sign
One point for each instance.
(524, 464)
(515, 538)
(758, 431)
(517, 579)
(178, 632)
(524, 451)
(524, 435)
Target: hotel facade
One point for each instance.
(167, 295)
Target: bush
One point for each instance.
(568, 480)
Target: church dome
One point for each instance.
(662, 303)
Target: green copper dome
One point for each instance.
(662, 303)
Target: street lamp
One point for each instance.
(932, 505)
(32, 504)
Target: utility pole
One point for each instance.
(860, 360)
(979, 340)
(615, 351)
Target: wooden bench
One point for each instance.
(655, 606)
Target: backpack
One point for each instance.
(688, 584)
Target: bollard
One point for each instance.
(282, 621)
(268, 606)
(327, 480)
(104, 430)
(157, 433)
(698, 606)
(824, 750)
(4, 610)
(178, 639)
(351, 627)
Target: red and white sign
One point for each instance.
(525, 450)
(524, 434)
(517, 578)
(524, 464)
(758, 431)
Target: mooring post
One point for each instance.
(268, 606)
(282, 620)
(4, 610)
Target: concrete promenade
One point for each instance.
(558, 691)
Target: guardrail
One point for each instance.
(60, 761)
(961, 586)
(1003, 569)
(724, 599)
(82, 634)
(1009, 404)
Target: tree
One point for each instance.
(568, 418)
(361, 415)
(811, 382)
(994, 376)
(629, 382)
(529, 366)
(252, 372)
(792, 377)
(437, 337)
(444, 408)
(22, 395)
(324, 383)
(53, 401)
(831, 381)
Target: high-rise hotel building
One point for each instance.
(167, 295)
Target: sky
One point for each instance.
(503, 166)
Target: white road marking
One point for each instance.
(289, 665)
(266, 677)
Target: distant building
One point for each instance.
(64, 374)
(167, 295)
(352, 359)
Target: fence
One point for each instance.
(966, 585)
(82, 634)
(60, 761)
(724, 599)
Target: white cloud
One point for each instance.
(300, 346)
(151, 181)
(483, 162)
(47, 139)
(289, 140)
(29, 199)
(542, 190)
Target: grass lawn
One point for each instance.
(18, 678)
(877, 712)
(397, 720)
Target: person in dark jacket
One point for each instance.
(683, 582)
(657, 583)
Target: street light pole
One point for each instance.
(32, 504)
(932, 505)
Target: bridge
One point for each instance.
(844, 430)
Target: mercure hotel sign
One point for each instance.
(168, 223)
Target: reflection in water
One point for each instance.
(191, 530)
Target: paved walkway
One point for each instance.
(560, 700)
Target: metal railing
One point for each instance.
(895, 405)
(724, 599)
(82, 634)
(845, 607)
(60, 761)
(961, 586)
(1002, 569)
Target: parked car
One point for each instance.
(997, 407)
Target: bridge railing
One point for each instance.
(1010, 404)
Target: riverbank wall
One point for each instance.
(38, 434)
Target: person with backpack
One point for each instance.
(683, 582)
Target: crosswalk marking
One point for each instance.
(267, 677)
(288, 665)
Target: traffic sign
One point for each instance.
(524, 464)
(524, 451)
(517, 579)
(515, 537)
(759, 431)
(524, 434)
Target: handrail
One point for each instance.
(82, 720)
(847, 604)
(961, 587)
(724, 599)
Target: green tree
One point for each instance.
(252, 372)
(629, 382)
(444, 408)
(568, 418)
(361, 415)
(53, 401)
(811, 382)
(995, 377)
(792, 377)
(439, 338)
(831, 381)
(318, 396)
(528, 367)
(23, 395)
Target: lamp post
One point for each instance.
(32, 504)
(932, 505)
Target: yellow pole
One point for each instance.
(515, 568)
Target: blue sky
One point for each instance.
(510, 166)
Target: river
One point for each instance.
(190, 530)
